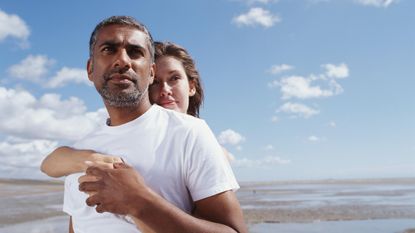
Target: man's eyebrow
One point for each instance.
(108, 42)
(136, 46)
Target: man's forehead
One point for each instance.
(121, 33)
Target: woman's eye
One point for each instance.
(174, 78)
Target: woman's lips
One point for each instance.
(167, 103)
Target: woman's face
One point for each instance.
(171, 88)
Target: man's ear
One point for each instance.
(152, 73)
(90, 68)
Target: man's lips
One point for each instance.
(117, 78)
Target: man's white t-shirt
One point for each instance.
(177, 155)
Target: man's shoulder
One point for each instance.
(85, 139)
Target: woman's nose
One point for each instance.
(165, 89)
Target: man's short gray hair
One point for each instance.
(121, 20)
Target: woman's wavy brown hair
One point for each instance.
(173, 50)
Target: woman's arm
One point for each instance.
(66, 160)
(70, 225)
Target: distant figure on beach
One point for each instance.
(177, 181)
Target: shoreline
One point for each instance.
(272, 202)
(387, 180)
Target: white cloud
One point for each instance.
(13, 26)
(300, 87)
(32, 68)
(22, 115)
(377, 3)
(297, 109)
(332, 124)
(309, 87)
(336, 71)
(256, 2)
(262, 162)
(230, 137)
(63, 108)
(314, 138)
(275, 119)
(22, 158)
(68, 75)
(276, 69)
(251, 2)
(268, 147)
(256, 16)
(318, 1)
(273, 84)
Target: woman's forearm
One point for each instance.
(65, 160)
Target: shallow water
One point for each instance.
(33, 207)
(364, 226)
(49, 225)
(312, 195)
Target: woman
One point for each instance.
(176, 86)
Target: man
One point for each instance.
(180, 181)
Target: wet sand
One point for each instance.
(328, 200)
(35, 206)
(28, 200)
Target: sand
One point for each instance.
(266, 205)
(328, 200)
(28, 200)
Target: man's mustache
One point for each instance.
(119, 71)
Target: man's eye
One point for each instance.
(135, 53)
(107, 49)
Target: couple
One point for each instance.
(177, 179)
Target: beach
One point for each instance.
(365, 205)
(359, 205)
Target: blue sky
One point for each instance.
(306, 89)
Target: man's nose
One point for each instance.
(123, 60)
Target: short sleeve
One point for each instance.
(208, 172)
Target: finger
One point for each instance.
(95, 171)
(93, 200)
(112, 159)
(105, 158)
(100, 208)
(89, 163)
(87, 178)
(90, 186)
(121, 165)
(100, 164)
(90, 194)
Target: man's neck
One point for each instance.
(122, 115)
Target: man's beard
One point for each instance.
(122, 98)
